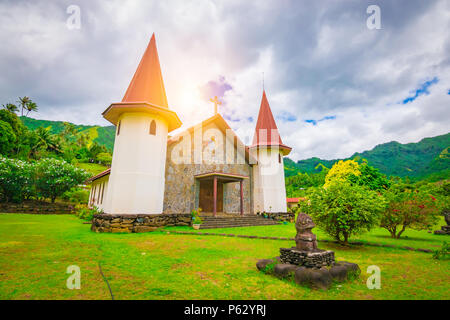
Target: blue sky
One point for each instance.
(422, 90)
(335, 87)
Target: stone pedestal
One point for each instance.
(445, 229)
(306, 264)
(310, 259)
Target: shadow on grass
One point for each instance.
(408, 238)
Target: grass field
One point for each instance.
(35, 251)
(411, 238)
(93, 168)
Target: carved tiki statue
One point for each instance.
(305, 239)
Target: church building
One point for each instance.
(206, 166)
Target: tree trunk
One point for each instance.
(401, 231)
(393, 232)
(346, 238)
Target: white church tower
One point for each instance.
(142, 120)
(268, 173)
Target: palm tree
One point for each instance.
(10, 107)
(23, 102)
(31, 106)
(46, 140)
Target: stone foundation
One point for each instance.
(279, 216)
(127, 223)
(309, 259)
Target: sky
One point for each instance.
(335, 86)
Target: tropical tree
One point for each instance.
(10, 107)
(46, 140)
(409, 207)
(344, 209)
(31, 106)
(23, 101)
(356, 173)
(341, 171)
(104, 158)
(7, 138)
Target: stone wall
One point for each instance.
(128, 223)
(279, 216)
(36, 207)
(316, 259)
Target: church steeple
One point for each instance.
(146, 93)
(147, 84)
(266, 132)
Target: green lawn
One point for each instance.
(35, 251)
(410, 238)
(93, 168)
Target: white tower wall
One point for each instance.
(269, 185)
(136, 184)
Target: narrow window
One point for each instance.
(118, 128)
(103, 191)
(152, 128)
(98, 193)
(279, 157)
(91, 201)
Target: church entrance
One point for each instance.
(211, 190)
(206, 196)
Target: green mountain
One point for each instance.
(428, 157)
(102, 135)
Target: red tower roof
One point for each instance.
(269, 136)
(146, 92)
(147, 84)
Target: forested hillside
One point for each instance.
(102, 135)
(426, 158)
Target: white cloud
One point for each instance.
(319, 60)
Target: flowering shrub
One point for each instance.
(16, 179)
(54, 177)
(409, 207)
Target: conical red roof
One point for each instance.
(271, 136)
(147, 84)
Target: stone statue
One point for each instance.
(305, 239)
(445, 229)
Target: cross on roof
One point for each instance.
(216, 103)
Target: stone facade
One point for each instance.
(137, 222)
(182, 189)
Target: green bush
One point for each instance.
(343, 210)
(195, 214)
(54, 177)
(86, 213)
(16, 179)
(76, 195)
(443, 253)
